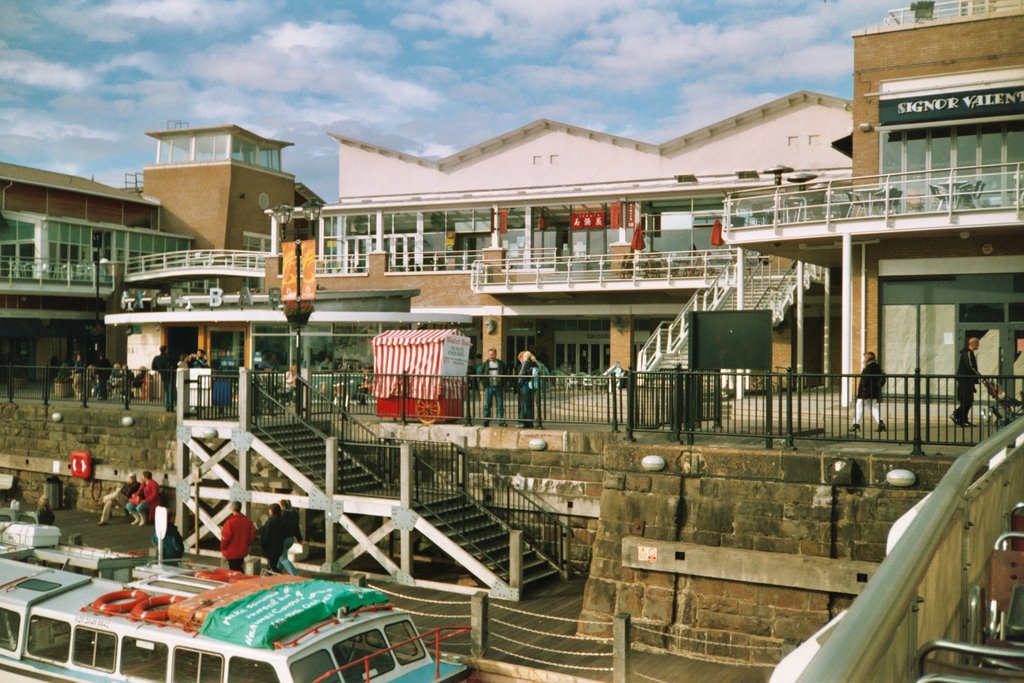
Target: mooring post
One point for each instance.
(621, 636)
(478, 621)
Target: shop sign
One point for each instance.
(954, 105)
(586, 221)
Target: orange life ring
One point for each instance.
(147, 609)
(119, 602)
(223, 575)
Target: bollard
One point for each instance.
(478, 622)
(621, 636)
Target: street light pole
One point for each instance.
(96, 241)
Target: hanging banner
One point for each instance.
(289, 275)
(503, 221)
(615, 219)
(631, 214)
(308, 270)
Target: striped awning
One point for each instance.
(416, 356)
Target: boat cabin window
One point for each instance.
(242, 670)
(10, 625)
(313, 666)
(359, 646)
(38, 585)
(49, 639)
(143, 660)
(400, 633)
(95, 649)
(195, 666)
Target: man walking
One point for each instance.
(165, 365)
(967, 377)
(869, 391)
(527, 376)
(129, 489)
(236, 535)
(491, 374)
(272, 535)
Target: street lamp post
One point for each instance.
(283, 214)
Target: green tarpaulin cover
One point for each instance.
(273, 614)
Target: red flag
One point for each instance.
(716, 234)
(638, 243)
(503, 221)
(616, 215)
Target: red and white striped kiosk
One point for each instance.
(420, 374)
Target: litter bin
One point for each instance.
(52, 490)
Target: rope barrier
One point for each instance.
(648, 678)
(548, 649)
(550, 616)
(547, 663)
(412, 597)
(434, 616)
(549, 633)
(702, 641)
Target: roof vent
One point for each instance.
(747, 175)
(686, 178)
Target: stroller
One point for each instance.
(1004, 407)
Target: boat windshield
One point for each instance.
(400, 643)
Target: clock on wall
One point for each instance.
(264, 200)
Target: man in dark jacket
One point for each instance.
(491, 373)
(869, 390)
(165, 365)
(967, 377)
(293, 534)
(272, 535)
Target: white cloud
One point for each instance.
(20, 66)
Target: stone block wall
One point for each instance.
(34, 447)
(781, 502)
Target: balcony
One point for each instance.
(601, 272)
(195, 264)
(49, 276)
(922, 201)
(919, 12)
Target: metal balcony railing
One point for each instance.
(949, 9)
(52, 271)
(434, 261)
(633, 269)
(943, 192)
(250, 263)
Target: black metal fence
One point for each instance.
(682, 404)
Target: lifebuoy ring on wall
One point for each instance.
(119, 602)
(149, 608)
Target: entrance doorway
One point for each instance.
(590, 358)
(182, 340)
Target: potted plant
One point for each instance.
(298, 312)
(62, 382)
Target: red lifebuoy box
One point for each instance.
(81, 464)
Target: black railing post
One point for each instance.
(10, 381)
(538, 403)
(83, 385)
(615, 401)
(126, 387)
(402, 394)
(468, 399)
(691, 404)
(789, 409)
(676, 402)
(769, 404)
(46, 386)
(917, 413)
(631, 406)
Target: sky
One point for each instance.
(81, 81)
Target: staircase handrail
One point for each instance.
(781, 293)
(260, 397)
(669, 337)
(351, 430)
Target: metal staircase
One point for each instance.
(766, 287)
(462, 498)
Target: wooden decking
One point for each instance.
(539, 632)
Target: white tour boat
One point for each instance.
(59, 621)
